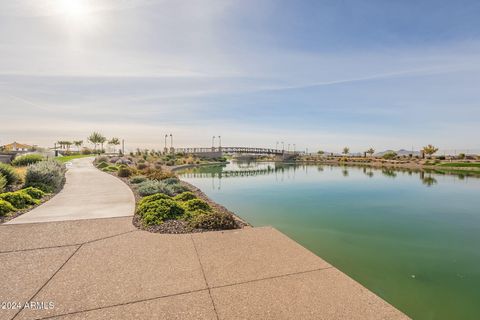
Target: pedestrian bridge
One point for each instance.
(235, 150)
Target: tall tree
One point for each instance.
(370, 151)
(78, 144)
(346, 150)
(430, 149)
(97, 138)
(114, 142)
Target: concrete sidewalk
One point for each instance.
(107, 269)
(88, 194)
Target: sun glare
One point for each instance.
(74, 8)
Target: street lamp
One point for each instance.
(171, 141)
(283, 146)
(219, 141)
(213, 142)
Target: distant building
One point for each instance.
(15, 146)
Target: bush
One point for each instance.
(141, 166)
(9, 173)
(173, 180)
(157, 211)
(3, 183)
(195, 205)
(185, 196)
(26, 160)
(149, 187)
(138, 179)
(6, 207)
(153, 197)
(389, 155)
(156, 174)
(213, 220)
(47, 176)
(110, 169)
(18, 199)
(102, 159)
(102, 165)
(33, 192)
(124, 172)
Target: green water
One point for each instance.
(412, 238)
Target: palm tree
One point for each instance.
(346, 150)
(97, 138)
(430, 150)
(67, 144)
(370, 151)
(114, 142)
(78, 144)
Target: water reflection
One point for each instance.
(284, 172)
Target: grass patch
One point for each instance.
(70, 158)
(461, 164)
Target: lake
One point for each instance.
(412, 238)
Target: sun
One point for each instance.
(73, 8)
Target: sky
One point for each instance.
(320, 74)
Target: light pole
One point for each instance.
(283, 146)
(219, 141)
(171, 142)
(213, 142)
(276, 146)
(165, 149)
(294, 148)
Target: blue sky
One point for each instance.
(320, 74)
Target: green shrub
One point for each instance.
(9, 173)
(149, 187)
(172, 180)
(195, 205)
(27, 159)
(3, 183)
(6, 207)
(102, 165)
(18, 199)
(153, 197)
(110, 169)
(47, 176)
(34, 192)
(138, 179)
(185, 196)
(213, 220)
(389, 155)
(124, 172)
(174, 189)
(157, 211)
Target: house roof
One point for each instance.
(17, 145)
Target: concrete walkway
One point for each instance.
(107, 269)
(88, 194)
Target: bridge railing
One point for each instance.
(245, 150)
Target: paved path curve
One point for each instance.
(88, 194)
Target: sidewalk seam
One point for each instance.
(53, 275)
(204, 277)
(69, 245)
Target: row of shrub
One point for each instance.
(164, 197)
(21, 199)
(42, 177)
(156, 208)
(27, 160)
